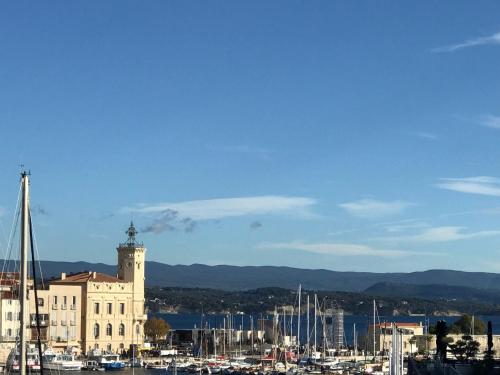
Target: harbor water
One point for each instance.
(190, 321)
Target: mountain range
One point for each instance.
(251, 277)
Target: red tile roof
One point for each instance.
(85, 277)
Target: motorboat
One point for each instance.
(32, 360)
(61, 362)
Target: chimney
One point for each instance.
(63, 275)
(94, 275)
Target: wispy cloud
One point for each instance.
(483, 185)
(255, 225)
(369, 208)
(442, 234)
(493, 39)
(162, 223)
(39, 210)
(338, 249)
(402, 227)
(212, 209)
(490, 121)
(261, 152)
(425, 135)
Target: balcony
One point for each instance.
(54, 306)
(43, 323)
(63, 306)
(63, 323)
(72, 323)
(72, 307)
(53, 322)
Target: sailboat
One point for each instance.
(21, 357)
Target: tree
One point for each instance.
(464, 326)
(156, 328)
(490, 339)
(465, 348)
(488, 354)
(441, 339)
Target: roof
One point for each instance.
(9, 278)
(85, 277)
(398, 324)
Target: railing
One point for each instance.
(43, 323)
(54, 306)
(72, 307)
(63, 322)
(53, 322)
(72, 323)
(63, 306)
(8, 338)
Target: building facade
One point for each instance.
(109, 309)
(86, 310)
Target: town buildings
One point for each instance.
(86, 310)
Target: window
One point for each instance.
(65, 300)
(121, 330)
(54, 300)
(96, 308)
(122, 308)
(9, 315)
(73, 300)
(109, 348)
(96, 330)
(110, 308)
(137, 329)
(40, 301)
(9, 332)
(109, 329)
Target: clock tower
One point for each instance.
(131, 263)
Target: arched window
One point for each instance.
(109, 329)
(121, 329)
(137, 329)
(96, 330)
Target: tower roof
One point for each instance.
(85, 277)
(131, 233)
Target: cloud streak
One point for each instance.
(493, 39)
(336, 249)
(442, 234)
(490, 121)
(215, 209)
(426, 135)
(369, 208)
(482, 185)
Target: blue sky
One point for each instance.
(321, 134)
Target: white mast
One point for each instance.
(308, 338)
(298, 322)
(354, 342)
(215, 344)
(374, 312)
(24, 271)
(315, 320)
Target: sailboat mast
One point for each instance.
(298, 323)
(374, 313)
(308, 343)
(24, 271)
(315, 321)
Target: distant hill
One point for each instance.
(435, 292)
(252, 277)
